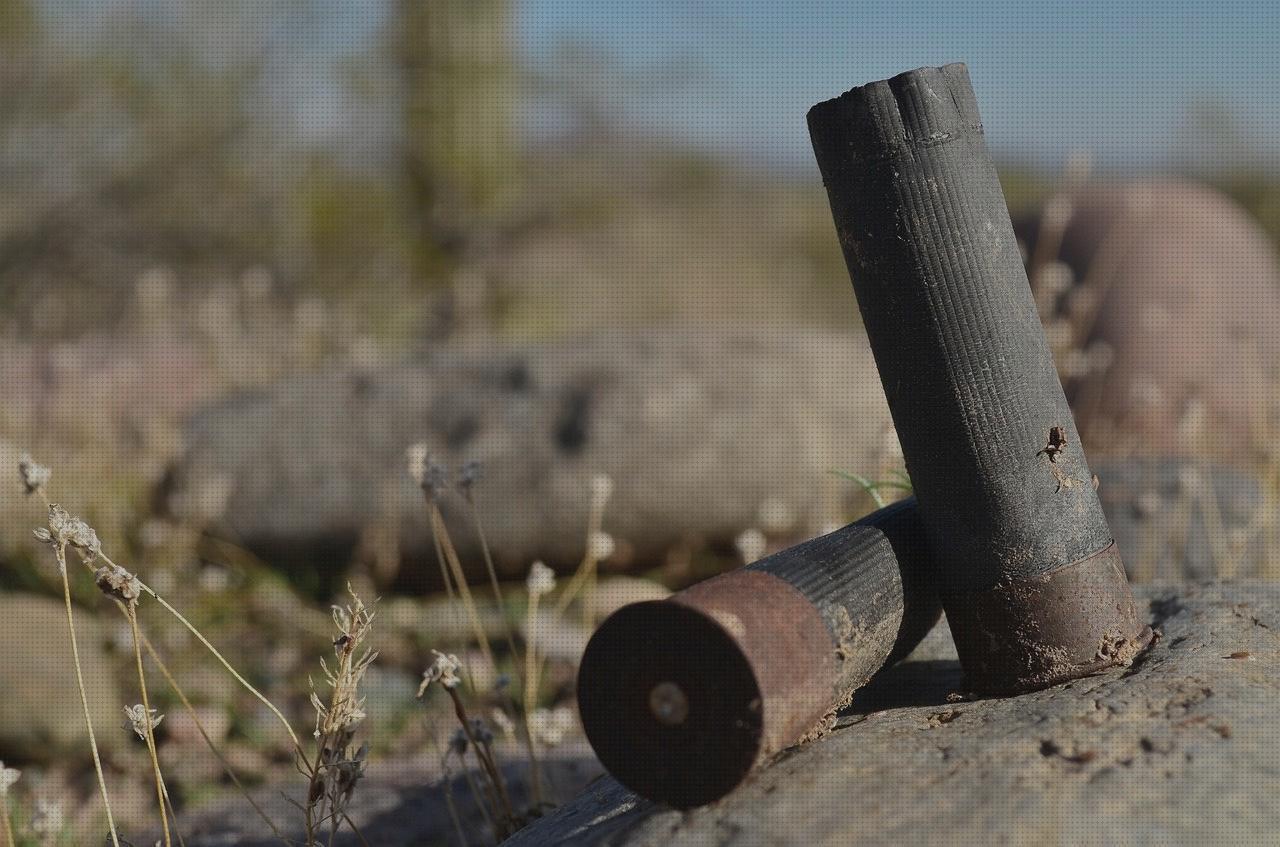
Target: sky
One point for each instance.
(1115, 79)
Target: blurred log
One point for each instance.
(704, 435)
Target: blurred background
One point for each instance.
(251, 253)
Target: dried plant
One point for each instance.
(66, 533)
(336, 765)
(433, 479)
(339, 765)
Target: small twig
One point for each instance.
(508, 630)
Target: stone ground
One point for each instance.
(400, 804)
(1181, 748)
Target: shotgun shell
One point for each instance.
(1034, 590)
(682, 698)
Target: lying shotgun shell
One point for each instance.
(1034, 590)
(682, 698)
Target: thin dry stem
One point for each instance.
(531, 674)
(453, 597)
(485, 797)
(444, 569)
(586, 569)
(227, 665)
(508, 630)
(485, 756)
(447, 782)
(173, 815)
(451, 555)
(131, 612)
(213, 747)
(535, 767)
(61, 553)
(352, 824)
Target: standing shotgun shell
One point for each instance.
(1034, 590)
(682, 698)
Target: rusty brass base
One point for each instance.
(1040, 631)
(682, 698)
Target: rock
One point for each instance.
(41, 718)
(1174, 310)
(1180, 748)
(698, 430)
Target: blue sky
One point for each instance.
(1111, 78)
(1108, 77)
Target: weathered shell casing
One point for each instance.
(682, 698)
(1033, 590)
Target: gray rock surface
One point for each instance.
(700, 431)
(1181, 748)
(704, 434)
(40, 713)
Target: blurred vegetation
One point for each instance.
(141, 139)
(395, 178)
(189, 181)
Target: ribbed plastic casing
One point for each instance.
(948, 310)
(844, 575)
